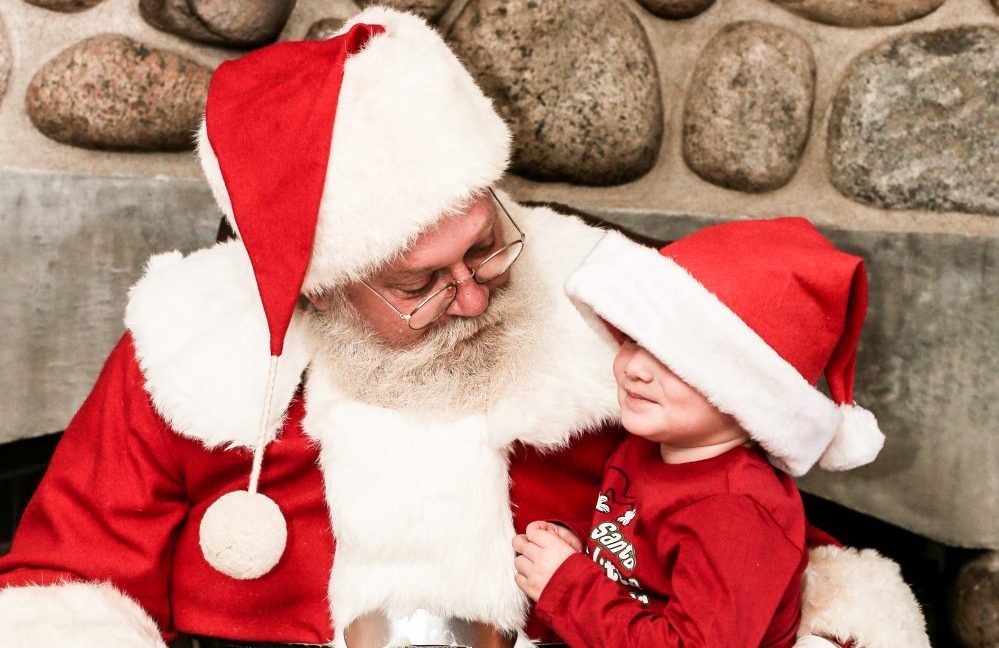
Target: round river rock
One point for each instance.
(575, 79)
(429, 9)
(66, 6)
(861, 13)
(913, 124)
(324, 28)
(232, 23)
(677, 8)
(748, 110)
(112, 92)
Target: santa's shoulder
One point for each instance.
(561, 239)
(201, 340)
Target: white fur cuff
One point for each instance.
(860, 595)
(74, 615)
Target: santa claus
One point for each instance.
(329, 429)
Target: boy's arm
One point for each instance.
(732, 571)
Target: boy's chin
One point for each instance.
(638, 426)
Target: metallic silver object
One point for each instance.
(423, 630)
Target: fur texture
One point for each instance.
(569, 386)
(191, 314)
(74, 615)
(857, 441)
(666, 310)
(202, 342)
(436, 490)
(860, 595)
(243, 534)
(414, 137)
(812, 641)
(188, 314)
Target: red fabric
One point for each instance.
(707, 553)
(559, 486)
(762, 268)
(123, 499)
(275, 171)
(124, 496)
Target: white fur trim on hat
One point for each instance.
(667, 311)
(860, 595)
(77, 614)
(414, 139)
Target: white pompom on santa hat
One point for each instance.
(329, 158)
(751, 314)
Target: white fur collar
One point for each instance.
(201, 340)
(570, 387)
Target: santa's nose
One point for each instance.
(471, 300)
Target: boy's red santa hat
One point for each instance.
(329, 158)
(751, 314)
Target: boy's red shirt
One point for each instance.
(706, 553)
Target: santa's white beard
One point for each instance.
(457, 367)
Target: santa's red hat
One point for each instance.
(329, 158)
(751, 314)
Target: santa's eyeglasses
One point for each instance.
(432, 307)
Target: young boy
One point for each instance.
(697, 539)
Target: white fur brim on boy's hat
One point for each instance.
(749, 313)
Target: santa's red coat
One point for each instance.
(124, 497)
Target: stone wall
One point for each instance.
(878, 120)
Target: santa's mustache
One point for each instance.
(458, 365)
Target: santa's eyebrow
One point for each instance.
(414, 273)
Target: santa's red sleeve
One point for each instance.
(734, 570)
(90, 561)
(561, 485)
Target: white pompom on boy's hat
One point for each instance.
(750, 314)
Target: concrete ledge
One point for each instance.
(72, 246)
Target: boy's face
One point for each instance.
(657, 405)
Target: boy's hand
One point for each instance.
(559, 530)
(539, 553)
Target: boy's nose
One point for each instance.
(637, 370)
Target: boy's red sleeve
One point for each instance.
(734, 571)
